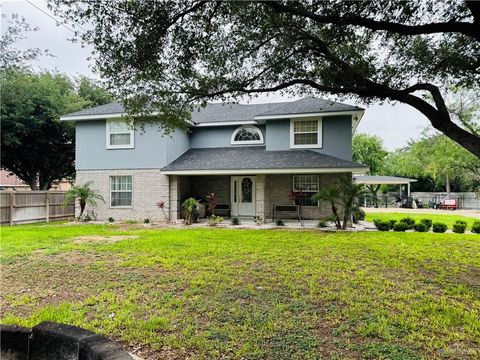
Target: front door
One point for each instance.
(243, 195)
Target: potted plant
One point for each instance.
(189, 208)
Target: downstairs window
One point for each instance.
(121, 191)
(307, 185)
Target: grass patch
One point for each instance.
(251, 294)
(447, 219)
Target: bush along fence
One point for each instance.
(33, 206)
(466, 200)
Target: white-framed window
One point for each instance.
(120, 135)
(308, 186)
(247, 134)
(121, 191)
(306, 133)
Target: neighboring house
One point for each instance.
(11, 181)
(251, 156)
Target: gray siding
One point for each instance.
(152, 150)
(337, 136)
(212, 137)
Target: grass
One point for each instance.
(447, 219)
(249, 294)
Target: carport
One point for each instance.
(371, 181)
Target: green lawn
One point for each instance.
(447, 219)
(249, 294)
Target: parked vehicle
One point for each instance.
(408, 203)
(444, 201)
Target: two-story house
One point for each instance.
(251, 156)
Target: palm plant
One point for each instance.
(343, 194)
(85, 196)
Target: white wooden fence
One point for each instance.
(466, 200)
(33, 206)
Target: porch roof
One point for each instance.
(257, 160)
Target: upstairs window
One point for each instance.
(120, 135)
(247, 135)
(306, 133)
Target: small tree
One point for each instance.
(161, 205)
(212, 202)
(342, 194)
(85, 196)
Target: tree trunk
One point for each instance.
(33, 184)
(447, 183)
(335, 215)
(82, 207)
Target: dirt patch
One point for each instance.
(470, 278)
(55, 278)
(97, 238)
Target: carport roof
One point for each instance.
(382, 180)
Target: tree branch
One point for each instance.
(466, 28)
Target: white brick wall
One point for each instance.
(149, 187)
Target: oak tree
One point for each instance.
(165, 56)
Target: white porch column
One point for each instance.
(260, 196)
(174, 206)
(408, 189)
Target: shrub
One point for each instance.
(111, 219)
(391, 223)
(408, 221)
(358, 215)
(459, 227)
(214, 220)
(258, 221)
(401, 226)
(146, 221)
(235, 221)
(439, 227)
(420, 227)
(382, 225)
(322, 223)
(279, 222)
(476, 227)
(85, 218)
(377, 221)
(427, 223)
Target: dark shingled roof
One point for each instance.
(310, 105)
(254, 158)
(112, 108)
(221, 112)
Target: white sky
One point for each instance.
(395, 124)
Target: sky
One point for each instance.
(395, 124)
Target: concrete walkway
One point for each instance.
(463, 212)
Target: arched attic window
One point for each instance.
(246, 135)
